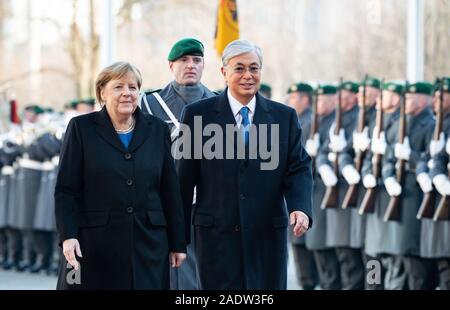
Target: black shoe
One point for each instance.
(23, 266)
(8, 265)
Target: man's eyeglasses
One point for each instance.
(242, 69)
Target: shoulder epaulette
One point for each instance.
(149, 91)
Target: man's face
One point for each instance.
(298, 101)
(371, 95)
(445, 102)
(415, 103)
(326, 104)
(243, 75)
(187, 69)
(390, 101)
(348, 100)
(30, 116)
(84, 108)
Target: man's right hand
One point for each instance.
(436, 146)
(392, 187)
(369, 181)
(312, 145)
(70, 247)
(327, 175)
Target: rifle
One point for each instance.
(351, 196)
(429, 199)
(314, 127)
(443, 210)
(330, 199)
(392, 211)
(368, 202)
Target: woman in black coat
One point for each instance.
(117, 200)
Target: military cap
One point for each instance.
(34, 108)
(265, 87)
(89, 101)
(186, 46)
(445, 85)
(73, 104)
(393, 87)
(326, 90)
(300, 87)
(371, 81)
(424, 88)
(350, 86)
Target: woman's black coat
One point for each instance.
(123, 205)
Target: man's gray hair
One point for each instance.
(239, 47)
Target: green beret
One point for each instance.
(73, 104)
(371, 81)
(186, 46)
(265, 87)
(35, 109)
(424, 88)
(300, 87)
(88, 101)
(326, 90)
(393, 87)
(49, 110)
(445, 85)
(350, 86)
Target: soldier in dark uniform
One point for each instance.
(265, 90)
(324, 257)
(186, 63)
(435, 235)
(300, 99)
(344, 226)
(404, 233)
(376, 228)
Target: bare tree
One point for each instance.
(84, 52)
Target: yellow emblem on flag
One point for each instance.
(227, 27)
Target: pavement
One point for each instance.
(13, 280)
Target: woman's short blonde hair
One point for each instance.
(115, 71)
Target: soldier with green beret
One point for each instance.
(324, 257)
(265, 90)
(300, 99)
(435, 237)
(345, 228)
(84, 106)
(404, 233)
(186, 63)
(31, 112)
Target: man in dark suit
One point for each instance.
(243, 176)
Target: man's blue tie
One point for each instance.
(245, 124)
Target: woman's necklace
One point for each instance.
(129, 129)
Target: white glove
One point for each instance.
(369, 181)
(350, 174)
(447, 146)
(327, 175)
(436, 146)
(379, 145)
(392, 186)
(312, 146)
(442, 184)
(424, 182)
(403, 151)
(337, 142)
(361, 140)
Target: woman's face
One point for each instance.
(121, 95)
